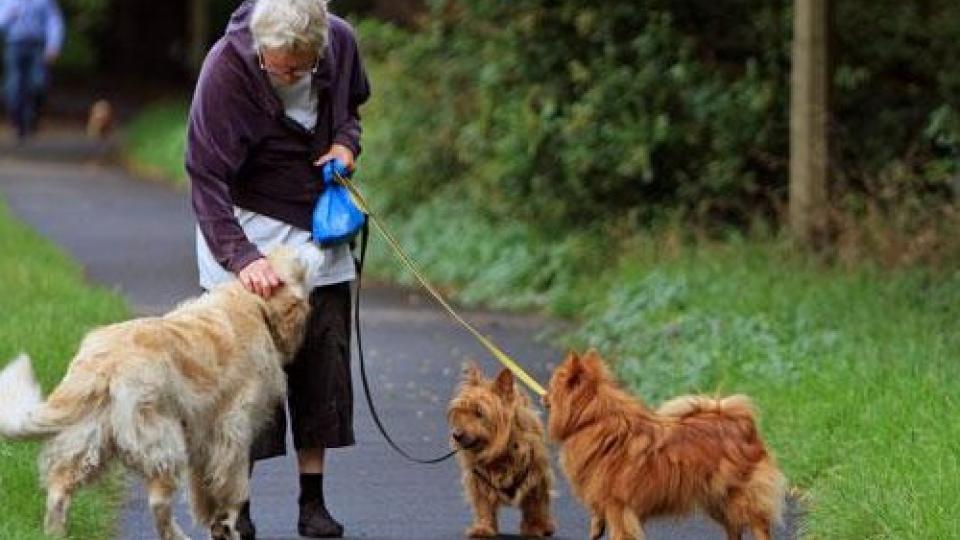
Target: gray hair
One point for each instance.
(295, 25)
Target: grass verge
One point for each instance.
(854, 370)
(155, 142)
(47, 309)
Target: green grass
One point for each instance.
(156, 139)
(854, 372)
(47, 307)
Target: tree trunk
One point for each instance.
(199, 24)
(809, 116)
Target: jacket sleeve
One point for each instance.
(348, 132)
(220, 134)
(54, 29)
(8, 10)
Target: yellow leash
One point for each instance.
(504, 359)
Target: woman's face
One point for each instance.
(286, 67)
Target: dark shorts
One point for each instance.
(320, 391)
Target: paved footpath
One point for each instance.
(137, 237)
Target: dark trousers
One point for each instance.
(320, 391)
(25, 81)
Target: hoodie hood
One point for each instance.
(240, 19)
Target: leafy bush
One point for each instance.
(83, 20)
(560, 113)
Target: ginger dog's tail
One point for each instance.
(737, 405)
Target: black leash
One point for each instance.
(364, 237)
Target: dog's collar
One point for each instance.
(271, 326)
(508, 492)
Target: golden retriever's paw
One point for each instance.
(481, 530)
(55, 521)
(222, 531)
(55, 531)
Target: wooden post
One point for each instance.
(198, 24)
(809, 115)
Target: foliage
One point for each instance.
(560, 113)
(504, 265)
(83, 20)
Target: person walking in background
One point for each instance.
(277, 97)
(33, 35)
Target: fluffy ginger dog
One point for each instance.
(502, 453)
(182, 393)
(628, 463)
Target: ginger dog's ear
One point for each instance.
(504, 384)
(593, 362)
(574, 367)
(471, 374)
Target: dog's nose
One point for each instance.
(463, 440)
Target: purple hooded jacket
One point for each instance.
(242, 149)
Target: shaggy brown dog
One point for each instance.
(185, 392)
(628, 463)
(502, 453)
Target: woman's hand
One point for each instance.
(259, 278)
(338, 151)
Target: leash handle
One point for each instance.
(364, 237)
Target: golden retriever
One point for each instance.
(182, 393)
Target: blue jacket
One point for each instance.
(32, 20)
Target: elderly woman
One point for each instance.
(277, 97)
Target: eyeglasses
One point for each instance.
(295, 73)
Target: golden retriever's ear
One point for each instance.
(471, 374)
(285, 315)
(287, 263)
(504, 384)
(299, 272)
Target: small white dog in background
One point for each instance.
(182, 393)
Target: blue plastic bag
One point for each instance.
(336, 218)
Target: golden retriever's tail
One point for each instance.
(24, 414)
(19, 397)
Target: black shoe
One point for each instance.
(315, 521)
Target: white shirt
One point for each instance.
(325, 266)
